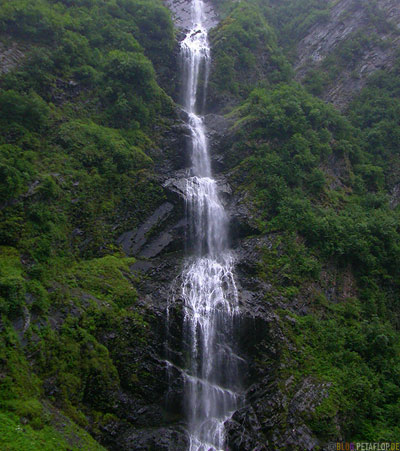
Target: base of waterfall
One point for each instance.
(208, 433)
(211, 382)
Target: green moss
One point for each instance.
(94, 145)
(12, 283)
(15, 436)
(106, 279)
(18, 381)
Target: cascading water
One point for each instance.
(208, 286)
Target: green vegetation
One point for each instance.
(376, 111)
(356, 358)
(17, 437)
(81, 115)
(315, 183)
(292, 19)
(77, 116)
(245, 53)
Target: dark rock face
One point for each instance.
(217, 128)
(347, 17)
(181, 13)
(134, 240)
(163, 439)
(156, 235)
(10, 56)
(273, 420)
(171, 154)
(152, 411)
(274, 410)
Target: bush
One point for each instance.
(28, 110)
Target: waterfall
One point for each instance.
(208, 290)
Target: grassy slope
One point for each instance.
(77, 118)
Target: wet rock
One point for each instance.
(238, 431)
(217, 124)
(275, 419)
(243, 222)
(141, 266)
(168, 241)
(171, 154)
(134, 240)
(182, 14)
(160, 439)
(176, 186)
(217, 129)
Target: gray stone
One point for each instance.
(345, 18)
(10, 56)
(134, 240)
(181, 14)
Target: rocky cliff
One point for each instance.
(353, 41)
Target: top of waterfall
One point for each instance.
(182, 14)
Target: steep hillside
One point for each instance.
(337, 57)
(322, 273)
(336, 45)
(81, 114)
(302, 111)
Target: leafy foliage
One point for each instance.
(316, 184)
(77, 117)
(245, 51)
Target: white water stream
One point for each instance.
(208, 285)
